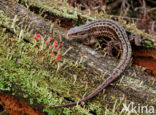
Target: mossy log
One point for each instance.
(136, 85)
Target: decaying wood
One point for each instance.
(136, 85)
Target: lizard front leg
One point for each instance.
(90, 41)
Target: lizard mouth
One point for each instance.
(71, 35)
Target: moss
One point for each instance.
(24, 74)
(147, 44)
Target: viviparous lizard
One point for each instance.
(106, 28)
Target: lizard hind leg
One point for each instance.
(116, 49)
(111, 47)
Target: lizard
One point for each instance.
(106, 28)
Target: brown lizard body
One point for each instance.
(106, 28)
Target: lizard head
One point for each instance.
(77, 32)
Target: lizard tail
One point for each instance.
(117, 71)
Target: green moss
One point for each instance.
(23, 74)
(147, 44)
